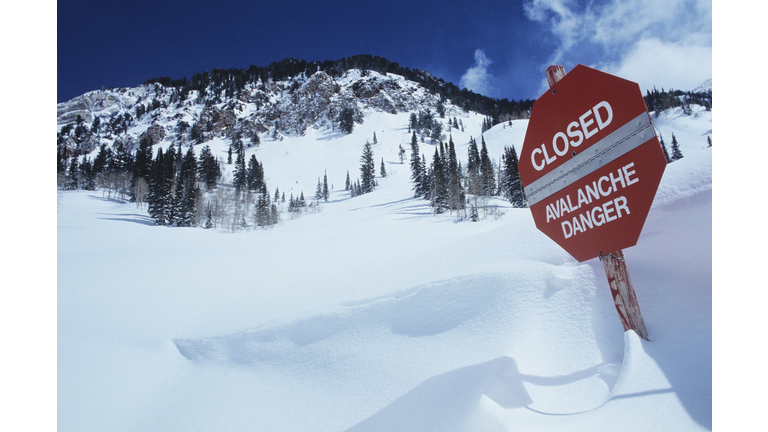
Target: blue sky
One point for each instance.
(496, 48)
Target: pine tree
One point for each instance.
(439, 187)
(208, 169)
(239, 174)
(160, 197)
(208, 217)
(383, 168)
(74, 174)
(401, 154)
(263, 211)
(487, 175)
(187, 192)
(473, 166)
(326, 192)
(511, 186)
(87, 174)
(346, 120)
(319, 190)
(143, 164)
(254, 174)
(367, 169)
(474, 216)
(676, 153)
(425, 182)
(417, 172)
(347, 184)
(455, 192)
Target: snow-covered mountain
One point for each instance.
(704, 87)
(290, 106)
(368, 313)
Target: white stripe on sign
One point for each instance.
(618, 143)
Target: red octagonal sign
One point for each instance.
(591, 163)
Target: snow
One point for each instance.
(372, 314)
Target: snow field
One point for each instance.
(374, 315)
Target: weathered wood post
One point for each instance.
(623, 294)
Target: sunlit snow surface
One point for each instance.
(374, 315)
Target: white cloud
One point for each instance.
(667, 43)
(477, 78)
(651, 62)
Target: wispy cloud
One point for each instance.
(477, 78)
(653, 42)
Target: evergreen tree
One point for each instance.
(455, 191)
(413, 123)
(676, 153)
(417, 171)
(474, 184)
(439, 187)
(239, 175)
(425, 182)
(208, 217)
(208, 169)
(383, 168)
(254, 174)
(401, 154)
(319, 190)
(347, 184)
(187, 192)
(326, 193)
(101, 162)
(87, 175)
(74, 174)
(487, 175)
(367, 169)
(160, 198)
(473, 215)
(143, 164)
(436, 132)
(511, 185)
(346, 120)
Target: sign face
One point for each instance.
(591, 163)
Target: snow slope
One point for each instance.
(374, 315)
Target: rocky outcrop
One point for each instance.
(214, 122)
(305, 106)
(155, 134)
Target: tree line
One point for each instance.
(660, 100)
(450, 187)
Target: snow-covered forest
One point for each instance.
(351, 250)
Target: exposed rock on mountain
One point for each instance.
(287, 107)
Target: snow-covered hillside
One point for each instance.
(373, 314)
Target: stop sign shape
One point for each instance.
(591, 163)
